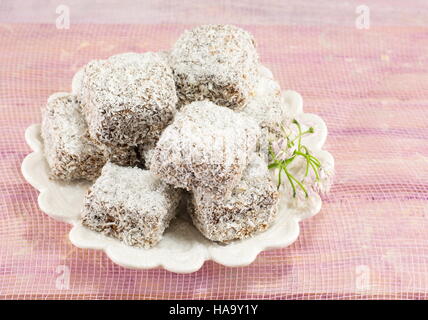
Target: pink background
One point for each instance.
(371, 86)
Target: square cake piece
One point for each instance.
(130, 204)
(127, 99)
(215, 62)
(251, 208)
(206, 147)
(69, 151)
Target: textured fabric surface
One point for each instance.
(370, 239)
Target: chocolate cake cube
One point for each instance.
(215, 62)
(130, 204)
(69, 151)
(250, 209)
(206, 147)
(127, 99)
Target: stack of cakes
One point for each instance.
(149, 128)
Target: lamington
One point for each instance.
(127, 99)
(70, 153)
(215, 62)
(250, 209)
(130, 204)
(205, 147)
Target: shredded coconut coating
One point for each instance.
(70, 153)
(250, 209)
(128, 99)
(206, 146)
(268, 108)
(130, 204)
(215, 62)
(123, 156)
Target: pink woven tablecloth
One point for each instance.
(370, 239)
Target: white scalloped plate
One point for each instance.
(183, 249)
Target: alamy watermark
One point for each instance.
(362, 278)
(63, 20)
(363, 19)
(62, 281)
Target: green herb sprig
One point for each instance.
(287, 150)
